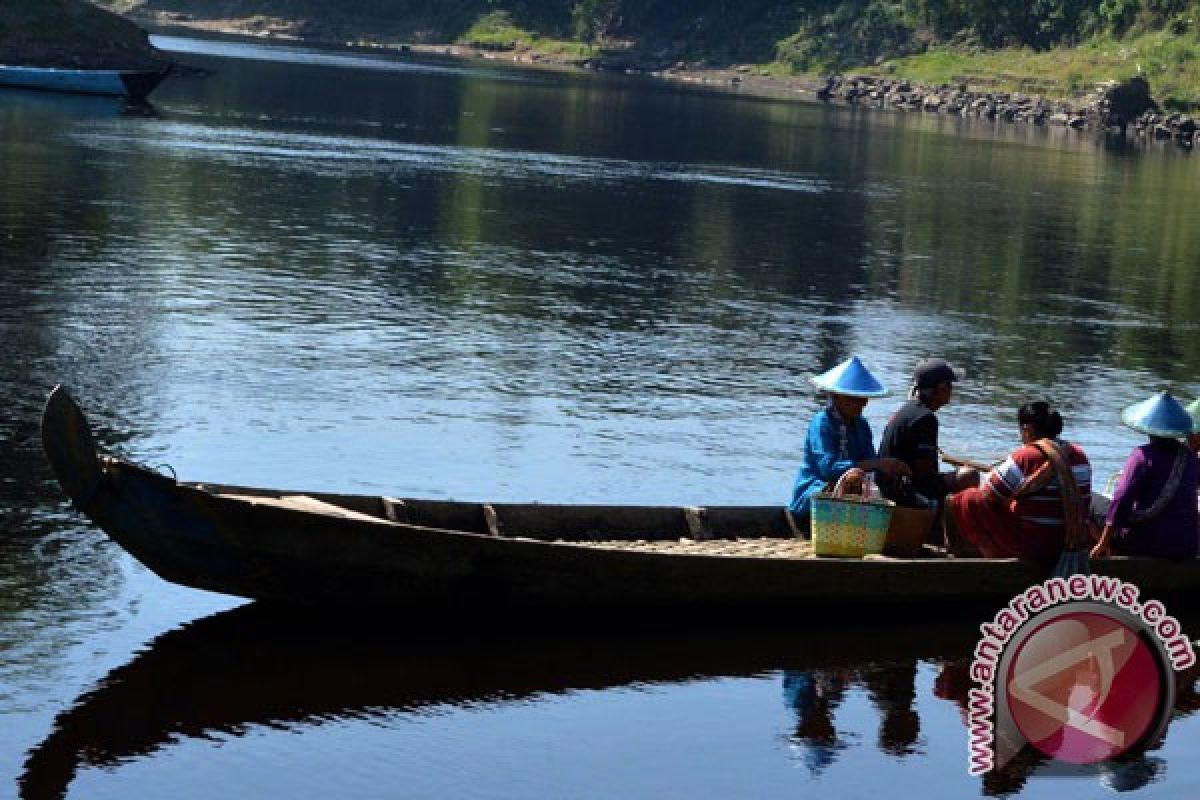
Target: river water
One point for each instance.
(365, 273)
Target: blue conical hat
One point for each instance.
(1194, 409)
(1160, 415)
(850, 378)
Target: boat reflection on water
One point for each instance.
(72, 106)
(259, 667)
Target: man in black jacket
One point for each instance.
(911, 435)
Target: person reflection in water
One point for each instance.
(1127, 773)
(953, 683)
(814, 695)
(892, 688)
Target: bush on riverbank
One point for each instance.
(71, 33)
(497, 30)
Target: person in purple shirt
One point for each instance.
(1153, 510)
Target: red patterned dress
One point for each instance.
(1018, 511)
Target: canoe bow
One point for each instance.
(71, 448)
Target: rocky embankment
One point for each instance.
(74, 34)
(1117, 108)
(1125, 109)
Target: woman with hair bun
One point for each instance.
(1031, 505)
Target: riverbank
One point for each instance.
(1127, 109)
(1112, 109)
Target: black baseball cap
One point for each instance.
(933, 371)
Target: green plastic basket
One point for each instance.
(849, 527)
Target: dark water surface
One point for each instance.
(352, 273)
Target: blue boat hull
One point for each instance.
(135, 84)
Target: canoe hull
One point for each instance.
(191, 537)
(134, 84)
(250, 544)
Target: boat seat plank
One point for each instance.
(395, 510)
(492, 520)
(697, 523)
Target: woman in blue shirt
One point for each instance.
(839, 438)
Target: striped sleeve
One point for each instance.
(1005, 479)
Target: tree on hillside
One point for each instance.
(593, 18)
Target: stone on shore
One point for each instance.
(1125, 102)
(1117, 108)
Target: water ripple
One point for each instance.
(355, 156)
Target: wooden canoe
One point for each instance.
(475, 561)
(134, 84)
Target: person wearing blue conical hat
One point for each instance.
(839, 438)
(1153, 510)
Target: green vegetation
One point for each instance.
(1171, 63)
(1051, 46)
(496, 30)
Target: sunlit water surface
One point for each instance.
(362, 273)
